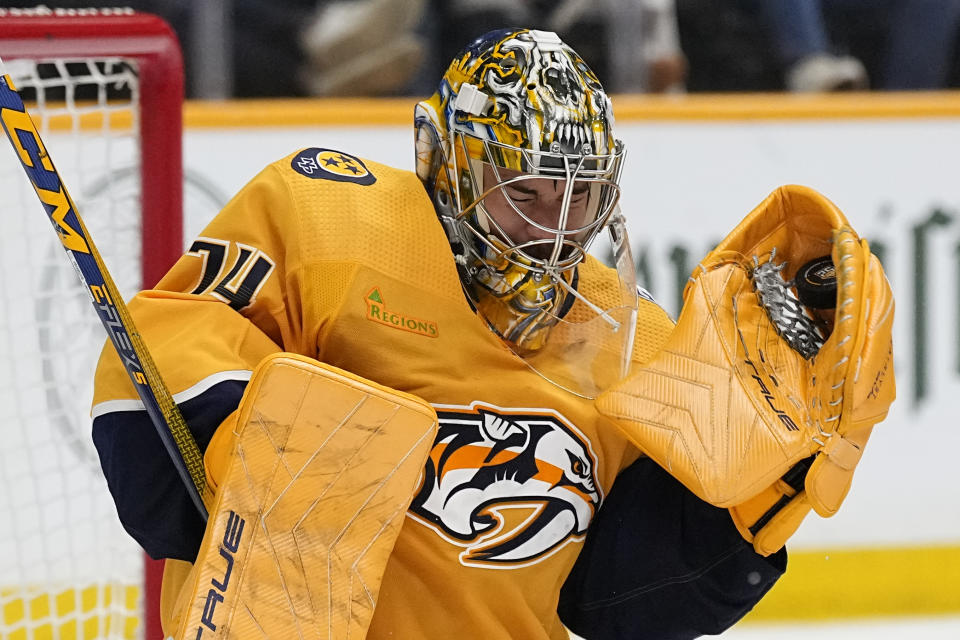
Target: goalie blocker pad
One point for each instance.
(323, 467)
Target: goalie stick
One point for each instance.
(62, 212)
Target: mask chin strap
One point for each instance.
(614, 323)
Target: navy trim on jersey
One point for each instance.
(661, 564)
(152, 503)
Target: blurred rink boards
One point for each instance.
(695, 166)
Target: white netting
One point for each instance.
(67, 569)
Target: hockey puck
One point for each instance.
(816, 283)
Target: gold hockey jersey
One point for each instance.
(344, 260)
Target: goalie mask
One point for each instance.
(516, 149)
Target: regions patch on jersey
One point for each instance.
(327, 164)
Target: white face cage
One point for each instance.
(520, 265)
(492, 174)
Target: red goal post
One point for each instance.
(105, 88)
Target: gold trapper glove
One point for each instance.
(756, 402)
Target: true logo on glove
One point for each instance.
(765, 392)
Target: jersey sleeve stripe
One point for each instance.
(112, 406)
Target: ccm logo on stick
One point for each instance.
(218, 588)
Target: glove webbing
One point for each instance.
(784, 309)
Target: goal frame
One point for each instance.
(52, 34)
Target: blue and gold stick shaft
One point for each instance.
(62, 212)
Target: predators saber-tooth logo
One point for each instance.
(511, 486)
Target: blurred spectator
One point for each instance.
(266, 48)
(726, 48)
(643, 46)
(266, 57)
(263, 48)
(917, 38)
(363, 47)
(800, 39)
(762, 45)
(633, 45)
(906, 44)
(231, 48)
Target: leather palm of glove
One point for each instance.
(738, 406)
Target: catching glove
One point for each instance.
(754, 404)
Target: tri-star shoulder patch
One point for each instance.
(327, 164)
